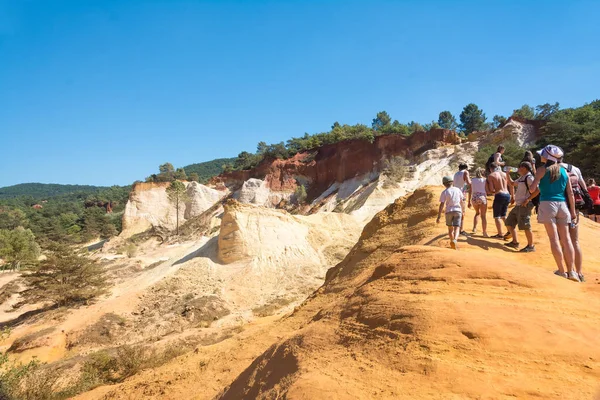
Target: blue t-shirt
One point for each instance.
(554, 191)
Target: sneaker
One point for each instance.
(581, 278)
(572, 276)
(527, 249)
(453, 244)
(507, 236)
(512, 245)
(563, 274)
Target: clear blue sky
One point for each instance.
(102, 92)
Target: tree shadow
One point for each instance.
(21, 319)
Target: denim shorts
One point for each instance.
(500, 205)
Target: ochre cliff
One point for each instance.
(338, 162)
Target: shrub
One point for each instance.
(300, 194)
(130, 250)
(29, 381)
(396, 169)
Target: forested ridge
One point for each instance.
(35, 215)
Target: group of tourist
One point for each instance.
(556, 190)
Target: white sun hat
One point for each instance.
(551, 152)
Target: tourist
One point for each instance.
(478, 199)
(554, 187)
(452, 199)
(528, 156)
(495, 158)
(594, 192)
(580, 193)
(462, 181)
(498, 185)
(520, 215)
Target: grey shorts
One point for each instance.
(521, 216)
(556, 212)
(453, 218)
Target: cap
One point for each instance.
(551, 152)
(447, 179)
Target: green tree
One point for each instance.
(166, 168)
(177, 194)
(18, 247)
(261, 147)
(65, 278)
(415, 127)
(431, 125)
(447, 121)
(545, 111)
(472, 119)
(526, 111)
(180, 174)
(498, 120)
(577, 132)
(381, 120)
(194, 177)
(10, 219)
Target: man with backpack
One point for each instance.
(520, 215)
(496, 159)
(582, 202)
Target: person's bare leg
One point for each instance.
(567, 246)
(457, 232)
(574, 233)
(555, 246)
(451, 233)
(462, 219)
(483, 212)
(529, 236)
(475, 218)
(513, 232)
(498, 222)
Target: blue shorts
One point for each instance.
(500, 206)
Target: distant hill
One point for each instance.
(45, 190)
(208, 169)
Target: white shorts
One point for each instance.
(556, 212)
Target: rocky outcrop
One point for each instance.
(149, 206)
(338, 162)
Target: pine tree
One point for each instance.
(65, 278)
(178, 196)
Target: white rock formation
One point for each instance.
(149, 206)
(256, 191)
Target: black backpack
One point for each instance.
(489, 162)
(536, 200)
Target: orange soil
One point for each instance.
(403, 316)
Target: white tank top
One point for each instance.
(478, 185)
(459, 180)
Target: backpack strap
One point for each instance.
(569, 167)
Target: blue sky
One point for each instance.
(102, 92)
